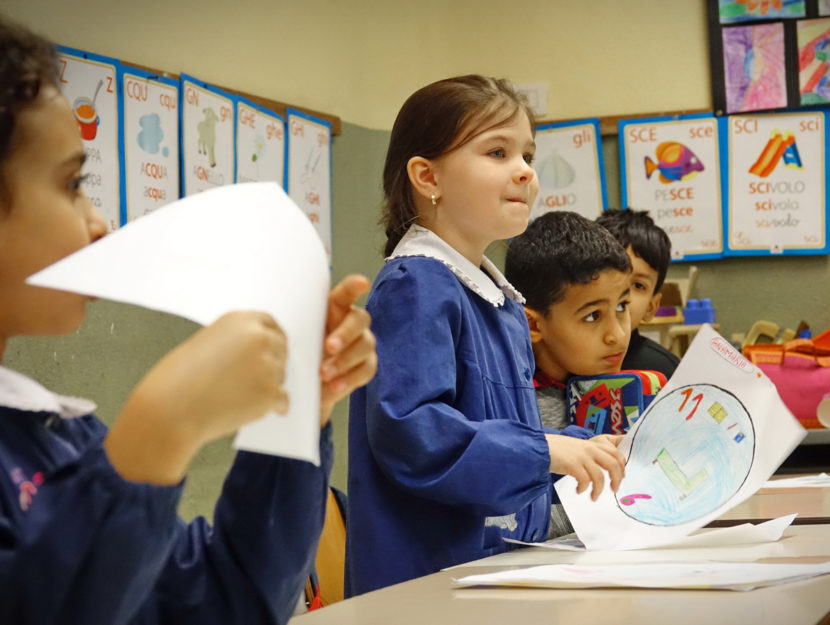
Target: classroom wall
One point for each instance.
(598, 58)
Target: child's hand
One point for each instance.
(349, 358)
(226, 375)
(585, 459)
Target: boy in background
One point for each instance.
(576, 280)
(649, 249)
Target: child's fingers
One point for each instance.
(340, 302)
(597, 480)
(351, 329)
(344, 384)
(360, 349)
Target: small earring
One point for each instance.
(434, 199)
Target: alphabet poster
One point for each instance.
(671, 167)
(777, 183)
(711, 438)
(309, 170)
(150, 172)
(88, 82)
(570, 168)
(207, 134)
(260, 144)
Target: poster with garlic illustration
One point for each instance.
(569, 164)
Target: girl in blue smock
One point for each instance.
(88, 526)
(447, 455)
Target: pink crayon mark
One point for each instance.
(630, 499)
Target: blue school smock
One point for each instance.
(447, 455)
(81, 545)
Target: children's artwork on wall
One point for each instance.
(730, 11)
(150, 141)
(89, 82)
(713, 436)
(671, 167)
(200, 258)
(308, 166)
(767, 55)
(570, 168)
(754, 70)
(776, 183)
(207, 136)
(260, 143)
(814, 61)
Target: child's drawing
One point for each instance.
(207, 134)
(814, 61)
(695, 455)
(748, 10)
(753, 65)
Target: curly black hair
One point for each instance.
(560, 249)
(27, 62)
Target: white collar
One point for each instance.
(420, 241)
(23, 393)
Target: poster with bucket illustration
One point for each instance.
(207, 136)
(260, 143)
(308, 170)
(89, 83)
(570, 168)
(776, 182)
(150, 141)
(670, 166)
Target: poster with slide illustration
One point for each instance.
(776, 182)
(713, 435)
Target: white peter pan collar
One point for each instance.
(23, 393)
(486, 281)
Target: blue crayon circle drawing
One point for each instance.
(691, 453)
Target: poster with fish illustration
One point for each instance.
(208, 126)
(570, 168)
(89, 83)
(776, 183)
(670, 166)
(150, 141)
(260, 143)
(308, 170)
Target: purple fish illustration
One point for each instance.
(675, 162)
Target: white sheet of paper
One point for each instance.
(238, 247)
(700, 575)
(822, 480)
(711, 438)
(743, 534)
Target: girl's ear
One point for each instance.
(421, 172)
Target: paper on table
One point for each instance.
(744, 534)
(714, 434)
(809, 481)
(693, 575)
(237, 247)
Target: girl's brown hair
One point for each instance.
(435, 120)
(27, 62)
